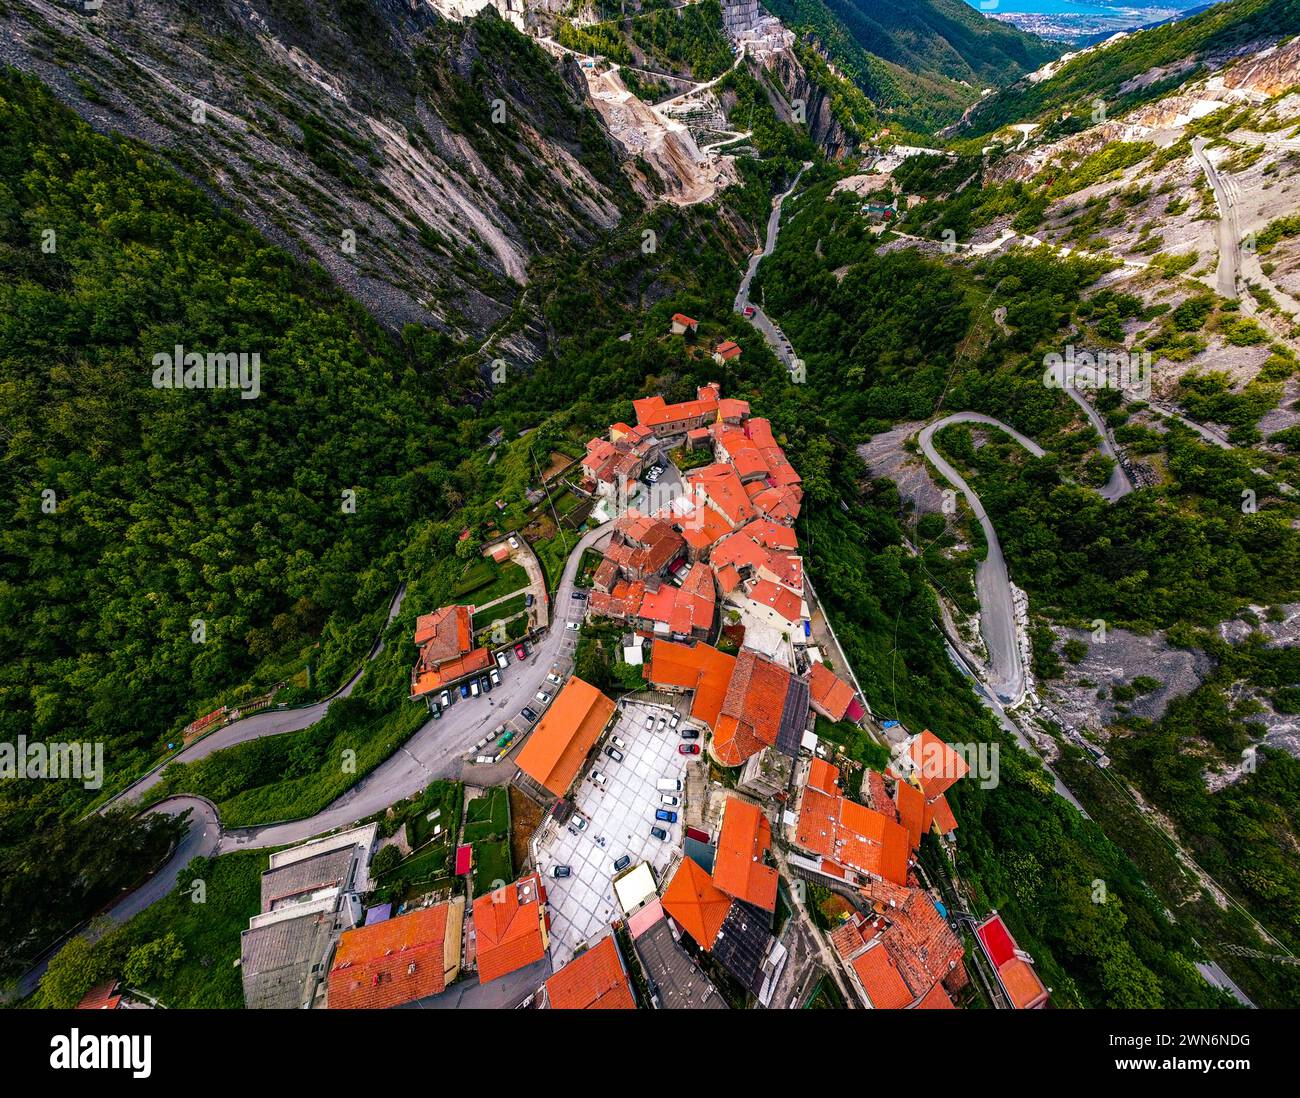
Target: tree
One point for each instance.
(386, 860)
(153, 961)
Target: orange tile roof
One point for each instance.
(386, 964)
(853, 835)
(728, 350)
(739, 551)
(824, 776)
(939, 767)
(911, 812)
(554, 753)
(443, 634)
(654, 411)
(509, 928)
(426, 680)
(595, 980)
(682, 318)
(721, 484)
(941, 814)
(829, 692)
(699, 667)
(751, 711)
(728, 579)
(703, 527)
(781, 599)
(936, 999)
(739, 869)
(697, 905)
(1022, 983)
(880, 979)
(771, 535)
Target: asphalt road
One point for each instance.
(769, 331)
(439, 748)
(272, 722)
(992, 584)
(1229, 230)
(200, 841)
(1119, 484)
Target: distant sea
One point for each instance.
(1083, 20)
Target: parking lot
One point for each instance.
(620, 814)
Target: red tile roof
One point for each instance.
(781, 599)
(771, 535)
(936, 999)
(696, 904)
(721, 485)
(509, 928)
(941, 814)
(101, 997)
(744, 840)
(445, 639)
(828, 692)
(554, 753)
(911, 812)
(401, 959)
(594, 980)
(852, 835)
(824, 776)
(682, 318)
(728, 350)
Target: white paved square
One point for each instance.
(621, 813)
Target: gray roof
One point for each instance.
(794, 718)
(673, 976)
(743, 944)
(277, 960)
(307, 875)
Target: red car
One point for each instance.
(749, 310)
(521, 653)
(689, 749)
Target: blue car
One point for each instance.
(664, 814)
(464, 690)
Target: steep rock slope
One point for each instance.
(425, 163)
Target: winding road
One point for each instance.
(437, 750)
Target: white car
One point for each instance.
(619, 743)
(671, 802)
(574, 625)
(663, 723)
(553, 677)
(503, 660)
(598, 777)
(543, 696)
(673, 721)
(514, 543)
(650, 722)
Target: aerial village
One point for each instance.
(689, 842)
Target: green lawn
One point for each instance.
(488, 816)
(491, 864)
(485, 580)
(441, 795)
(507, 609)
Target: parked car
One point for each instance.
(622, 863)
(673, 721)
(689, 749)
(543, 696)
(690, 733)
(495, 676)
(663, 723)
(578, 823)
(659, 833)
(464, 690)
(665, 815)
(528, 714)
(528, 599)
(669, 785)
(437, 711)
(749, 310)
(619, 742)
(514, 543)
(503, 660)
(473, 687)
(614, 753)
(579, 594)
(521, 653)
(671, 802)
(485, 684)
(573, 625)
(561, 871)
(445, 698)
(598, 777)
(650, 722)
(553, 677)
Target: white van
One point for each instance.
(473, 688)
(668, 785)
